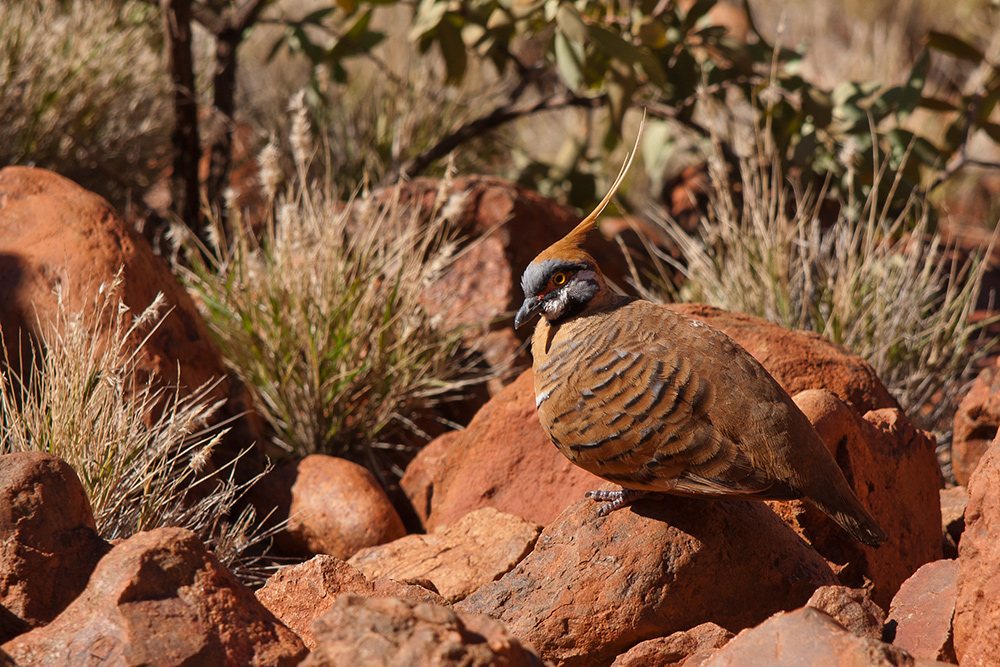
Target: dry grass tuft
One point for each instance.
(877, 282)
(82, 85)
(323, 317)
(139, 448)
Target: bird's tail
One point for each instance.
(852, 516)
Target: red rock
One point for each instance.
(479, 548)
(920, 614)
(807, 638)
(953, 504)
(161, 598)
(893, 469)
(48, 542)
(509, 225)
(977, 609)
(333, 506)
(423, 472)
(388, 631)
(53, 232)
(595, 586)
(852, 608)
(502, 460)
(800, 360)
(476, 289)
(976, 422)
(299, 594)
(681, 649)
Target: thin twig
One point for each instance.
(502, 114)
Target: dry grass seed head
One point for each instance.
(138, 446)
(879, 282)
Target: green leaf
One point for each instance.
(316, 17)
(359, 25)
(428, 17)
(992, 130)
(569, 60)
(959, 48)
(347, 5)
(937, 104)
(651, 32)
(621, 86)
(571, 23)
(613, 45)
(456, 58)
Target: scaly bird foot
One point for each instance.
(617, 499)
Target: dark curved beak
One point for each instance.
(528, 310)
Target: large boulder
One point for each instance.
(48, 541)
(299, 594)
(808, 636)
(977, 609)
(976, 422)
(481, 547)
(920, 615)
(595, 586)
(502, 460)
(53, 233)
(894, 471)
(390, 632)
(161, 598)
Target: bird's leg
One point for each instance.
(617, 499)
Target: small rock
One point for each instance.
(953, 504)
(690, 648)
(807, 636)
(852, 608)
(976, 422)
(393, 632)
(894, 471)
(48, 542)
(596, 586)
(299, 594)
(921, 613)
(502, 460)
(479, 548)
(977, 609)
(160, 598)
(333, 506)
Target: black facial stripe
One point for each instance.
(537, 276)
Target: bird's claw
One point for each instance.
(616, 499)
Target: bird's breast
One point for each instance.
(619, 403)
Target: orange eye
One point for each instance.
(559, 279)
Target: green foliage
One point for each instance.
(681, 66)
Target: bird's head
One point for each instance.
(563, 278)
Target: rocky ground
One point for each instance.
(489, 554)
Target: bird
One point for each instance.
(655, 401)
